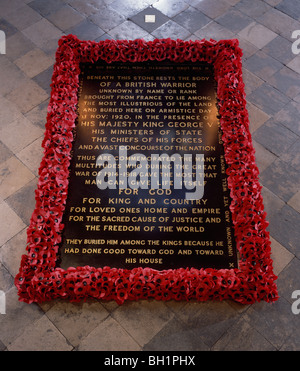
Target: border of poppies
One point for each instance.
(39, 279)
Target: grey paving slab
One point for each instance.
(107, 18)
(192, 19)
(46, 7)
(171, 28)
(262, 65)
(288, 116)
(175, 336)
(234, 20)
(284, 227)
(276, 322)
(86, 30)
(288, 280)
(275, 137)
(253, 8)
(280, 48)
(170, 7)
(290, 7)
(268, 99)
(242, 336)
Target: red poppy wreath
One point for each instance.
(41, 278)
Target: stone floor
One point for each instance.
(271, 75)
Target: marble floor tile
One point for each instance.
(268, 99)
(274, 321)
(288, 282)
(294, 64)
(127, 30)
(272, 203)
(280, 255)
(248, 48)
(292, 341)
(273, 2)
(109, 336)
(18, 45)
(11, 251)
(29, 16)
(76, 320)
(22, 202)
(5, 153)
(263, 157)
(32, 155)
(11, 76)
(215, 31)
(44, 78)
(253, 8)
(192, 19)
(18, 317)
(34, 62)
(284, 228)
(257, 34)
(262, 65)
(46, 7)
(65, 18)
(38, 114)
(290, 7)
(87, 8)
(42, 329)
(129, 7)
(242, 336)
(8, 6)
(286, 81)
(212, 8)
(171, 28)
(24, 133)
(176, 337)
(107, 18)
(294, 201)
(234, 20)
(10, 223)
(170, 8)
(256, 117)
(44, 34)
(14, 175)
(86, 30)
(292, 155)
(6, 280)
(27, 96)
(8, 29)
(9, 112)
(280, 48)
(275, 137)
(288, 116)
(251, 81)
(279, 22)
(144, 319)
(281, 179)
(208, 320)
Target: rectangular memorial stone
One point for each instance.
(148, 186)
(147, 180)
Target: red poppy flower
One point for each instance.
(39, 277)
